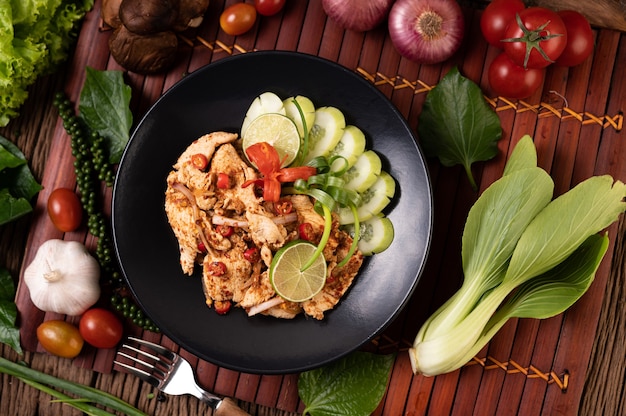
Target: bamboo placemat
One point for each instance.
(530, 367)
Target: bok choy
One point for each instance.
(524, 255)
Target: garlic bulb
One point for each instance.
(63, 278)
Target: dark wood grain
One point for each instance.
(516, 372)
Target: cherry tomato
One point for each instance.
(216, 268)
(101, 328)
(238, 19)
(496, 17)
(223, 181)
(511, 80)
(64, 209)
(305, 231)
(579, 38)
(60, 338)
(222, 307)
(540, 43)
(268, 7)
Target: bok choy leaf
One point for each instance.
(524, 255)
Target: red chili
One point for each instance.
(305, 230)
(283, 207)
(216, 268)
(224, 230)
(199, 161)
(222, 307)
(202, 247)
(252, 254)
(223, 181)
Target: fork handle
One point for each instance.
(228, 407)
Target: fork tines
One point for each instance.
(149, 361)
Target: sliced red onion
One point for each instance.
(281, 220)
(263, 306)
(426, 31)
(357, 15)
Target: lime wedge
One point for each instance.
(287, 277)
(279, 131)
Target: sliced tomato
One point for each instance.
(265, 157)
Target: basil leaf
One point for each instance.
(12, 208)
(104, 105)
(9, 333)
(457, 125)
(354, 385)
(8, 160)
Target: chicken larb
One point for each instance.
(232, 233)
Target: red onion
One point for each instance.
(358, 15)
(426, 31)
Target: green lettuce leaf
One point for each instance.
(35, 36)
(457, 125)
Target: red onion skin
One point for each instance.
(411, 44)
(357, 15)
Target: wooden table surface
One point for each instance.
(570, 364)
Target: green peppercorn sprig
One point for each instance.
(92, 167)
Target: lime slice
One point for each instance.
(279, 131)
(287, 278)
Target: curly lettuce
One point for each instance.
(35, 36)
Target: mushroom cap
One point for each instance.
(145, 17)
(190, 14)
(143, 54)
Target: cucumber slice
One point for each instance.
(350, 146)
(374, 200)
(364, 172)
(268, 102)
(326, 132)
(376, 235)
(308, 109)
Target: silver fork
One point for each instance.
(171, 374)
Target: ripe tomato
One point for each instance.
(268, 7)
(513, 81)
(238, 18)
(496, 17)
(538, 41)
(579, 38)
(64, 209)
(101, 328)
(60, 338)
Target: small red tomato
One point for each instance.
(199, 161)
(252, 254)
(269, 7)
(202, 247)
(101, 328)
(237, 19)
(513, 81)
(64, 209)
(223, 181)
(579, 38)
(496, 18)
(60, 338)
(224, 230)
(537, 39)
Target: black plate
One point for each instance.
(216, 97)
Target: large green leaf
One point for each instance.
(457, 125)
(104, 105)
(354, 385)
(9, 333)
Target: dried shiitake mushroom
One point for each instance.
(146, 17)
(145, 40)
(144, 54)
